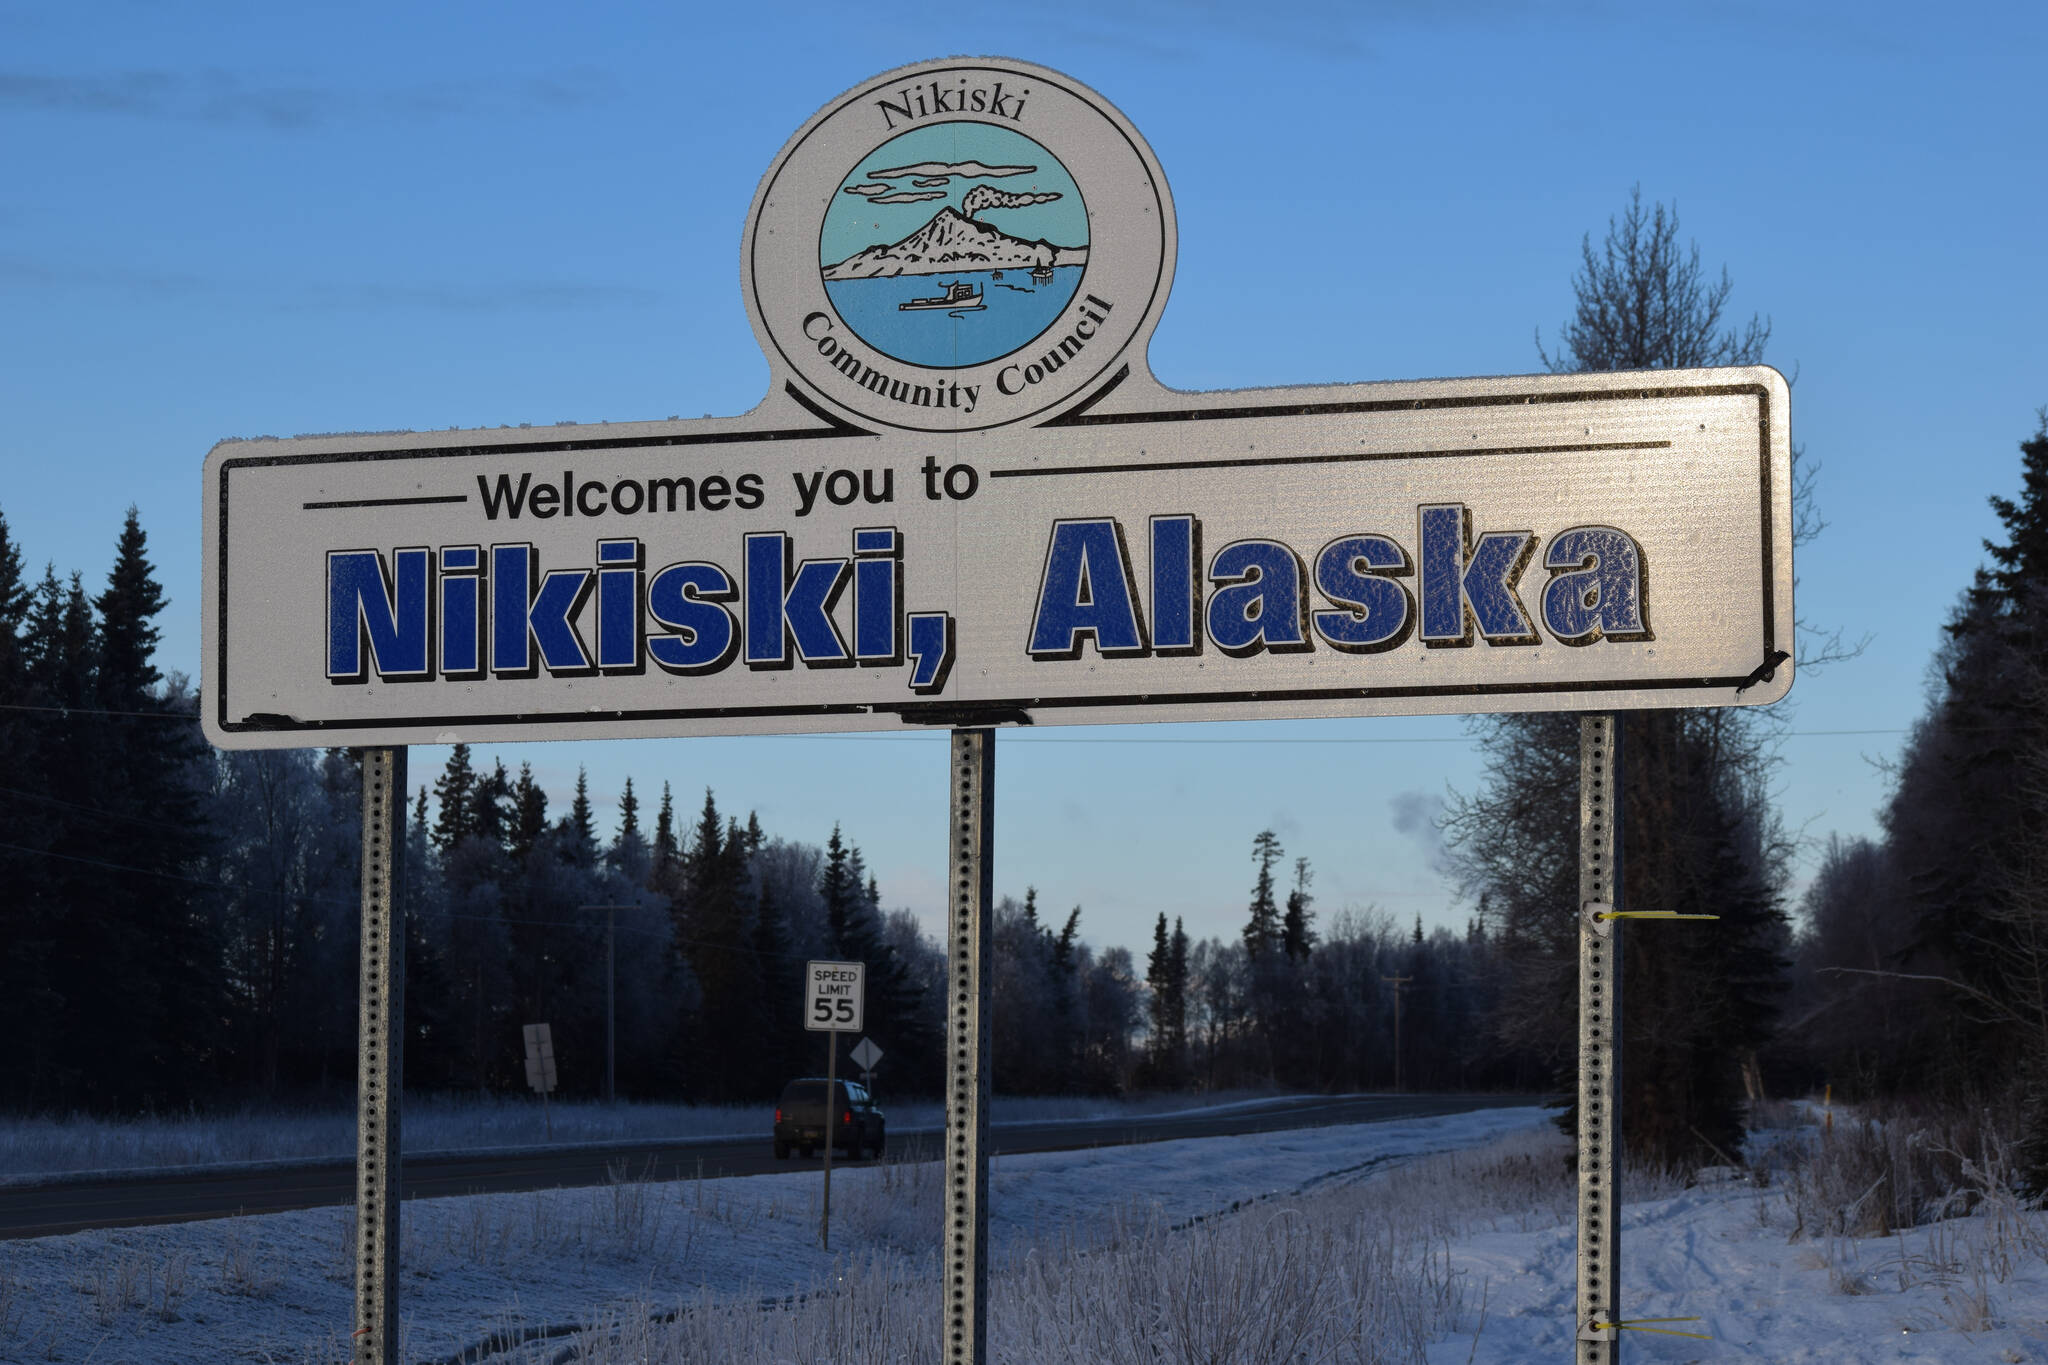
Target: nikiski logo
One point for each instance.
(959, 246)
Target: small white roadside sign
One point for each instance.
(833, 995)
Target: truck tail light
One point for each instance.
(849, 1117)
(778, 1116)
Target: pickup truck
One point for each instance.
(857, 1125)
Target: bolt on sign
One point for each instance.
(967, 500)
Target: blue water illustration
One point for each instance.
(1014, 310)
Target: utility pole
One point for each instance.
(611, 1011)
(1397, 982)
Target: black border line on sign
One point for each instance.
(946, 712)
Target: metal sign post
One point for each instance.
(1599, 1039)
(831, 1105)
(835, 995)
(971, 840)
(380, 1056)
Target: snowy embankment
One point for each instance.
(1442, 1240)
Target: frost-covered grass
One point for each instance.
(32, 1146)
(1444, 1241)
(1220, 1216)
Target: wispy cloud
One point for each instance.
(227, 99)
(971, 170)
(907, 196)
(484, 296)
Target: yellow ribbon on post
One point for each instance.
(1640, 1324)
(1648, 914)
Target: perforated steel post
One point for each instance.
(964, 1257)
(380, 1075)
(1599, 1038)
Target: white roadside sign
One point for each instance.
(1547, 542)
(865, 1054)
(834, 993)
(966, 501)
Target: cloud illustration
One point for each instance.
(970, 169)
(907, 196)
(869, 191)
(983, 197)
(927, 182)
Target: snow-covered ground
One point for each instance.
(1440, 1241)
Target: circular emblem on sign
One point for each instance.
(959, 245)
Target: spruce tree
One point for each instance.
(28, 826)
(781, 1032)
(836, 892)
(714, 930)
(490, 807)
(1063, 945)
(168, 930)
(15, 600)
(1177, 987)
(1262, 929)
(1968, 819)
(1297, 936)
(128, 634)
(455, 789)
(665, 849)
(1157, 981)
(529, 814)
(629, 813)
(580, 848)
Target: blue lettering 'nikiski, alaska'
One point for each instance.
(1352, 595)
(471, 612)
(462, 613)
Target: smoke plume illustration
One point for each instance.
(986, 197)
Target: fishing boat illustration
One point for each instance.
(957, 298)
(1042, 274)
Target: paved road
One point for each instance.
(72, 1204)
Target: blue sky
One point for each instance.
(241, 219)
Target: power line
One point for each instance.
(96, 810)
(192, 716)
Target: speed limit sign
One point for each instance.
(832, 995)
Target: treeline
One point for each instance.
(1923, 965)
(182, 926)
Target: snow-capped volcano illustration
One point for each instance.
(914, 263)
(952, 242)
